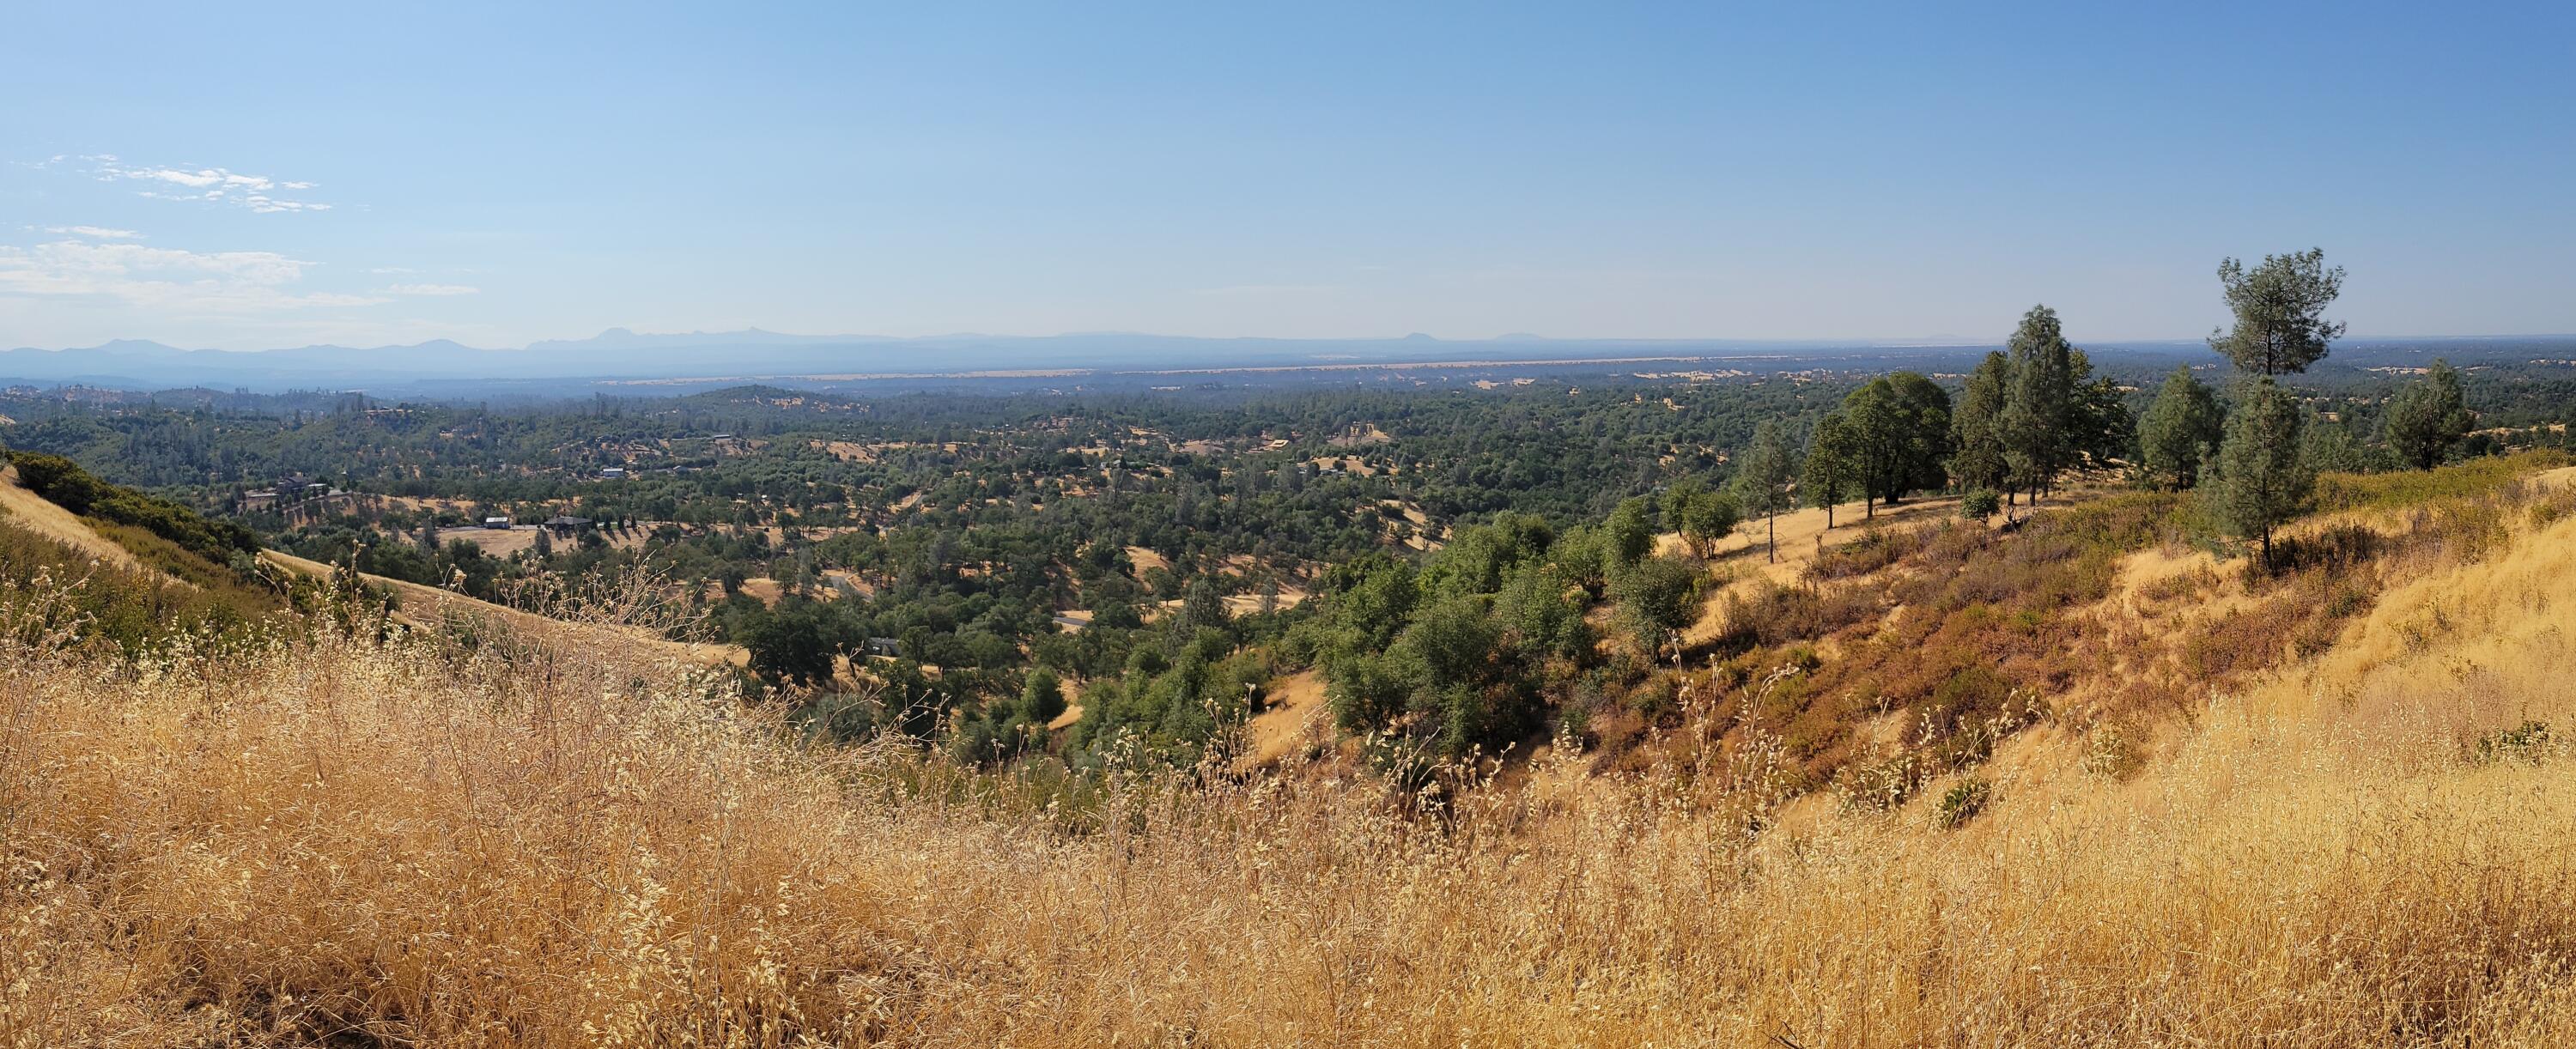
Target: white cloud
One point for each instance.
(166, 279)
(96, 232)
(200, 179)
(209, 185)
(430, 289)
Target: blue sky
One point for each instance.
(290, 174)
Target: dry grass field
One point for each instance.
(350, 841)
(494, 542)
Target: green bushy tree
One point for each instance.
(2428, 418)
(1832, 471)
(2180, 431)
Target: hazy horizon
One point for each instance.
(717, 339)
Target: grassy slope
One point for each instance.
(30, 511)
(418, 605)
(124, 549)
(426, 844)
(120, 584)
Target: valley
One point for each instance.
(1349, 715)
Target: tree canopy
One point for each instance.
(1762, 480)
(1833, 468)
(2262, 479)
(2280, 312)
(2428, 418)
(1901, 422)
(2180, 431)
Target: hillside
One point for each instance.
(2361, 841)
(91, 551)
(428, 606)
(32, 512)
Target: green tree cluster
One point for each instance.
(2428, 418)
(1900, 422)
(2180, 431)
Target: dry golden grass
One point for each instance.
(36, 514)
(634, 627)
(420, 843)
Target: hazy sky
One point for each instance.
(239, 176)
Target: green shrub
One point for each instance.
(2476, 477)
(1979, 505)
(2524, 742)
(1963, 801)
(1573, 727)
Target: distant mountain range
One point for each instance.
(620, 355)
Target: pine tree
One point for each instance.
(2262, 478)
(2428, 418)
(2099, 426)
(2279, 307)
(1762, 479)
(2036, 423)
(1976, 430)
(2181, 430)
(1833, 465)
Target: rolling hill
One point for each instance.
(2326, 805)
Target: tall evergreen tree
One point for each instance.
(2428, 418)
(1762, 479)
(2280, 312)
(1977, 429)
(2181, 430)
(2262, 478)
(2037, 420)
(1833, 465)
(1041, 698)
